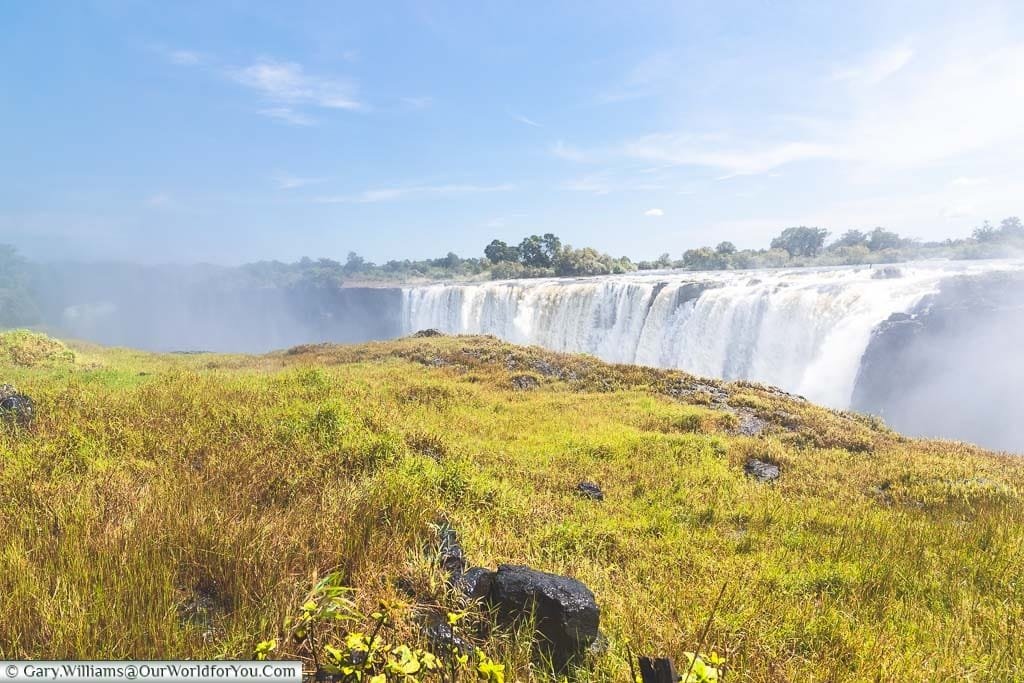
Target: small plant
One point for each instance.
(326, 632)
(702, 668)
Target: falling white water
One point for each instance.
(804, 330)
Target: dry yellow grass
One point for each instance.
(178, 506)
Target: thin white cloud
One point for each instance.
(642, 80)
(966, 181)
(689, 150)
(876, 67)
(568, 153)
(290, 182)
(959, 102)
(389, 194)
(288, 83)
(525, 120)
(607, 182)
(184, 57)
(159, 200)
(289, 116)
(656, 213)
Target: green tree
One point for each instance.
(880, 239)
(540, 252)
(801, 241)
(497, 252)
(725, 249)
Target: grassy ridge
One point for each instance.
(178, 506)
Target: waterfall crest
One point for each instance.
(804, 330)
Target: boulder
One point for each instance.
(565, 614)
(429, 332)
(476, 583)
(761, 470)
(15, 407)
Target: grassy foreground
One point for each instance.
(181, 505)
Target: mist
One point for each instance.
(953, 367)
(208, 308)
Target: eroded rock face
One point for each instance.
(15, 407)
(951, 365)
(567, 616)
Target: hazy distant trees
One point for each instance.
(880, 239)
(851, 238)
(801, 241)
(1011, 228)
(17, 304)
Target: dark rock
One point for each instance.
(565, 612)
(441, 637)
(429, 332)
(525, 382)
(476, 583)
(761, 470)
(15, 407)
(450, 556)
(887, 273)
(589, 489)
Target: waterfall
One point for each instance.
(804, 330)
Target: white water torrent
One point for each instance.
(804, 330)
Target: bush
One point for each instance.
(31, 350)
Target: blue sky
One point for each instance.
(236, 131)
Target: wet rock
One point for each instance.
(565, 612)
(441, 637)
(887, 273)
(589, 489)
(761, 470)
(15, 407)
(429, 332)
(476, 583)
(525, 382)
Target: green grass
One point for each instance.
(155, 488)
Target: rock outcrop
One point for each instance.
(762, 470)
(15, 407)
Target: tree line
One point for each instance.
(546, 256)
